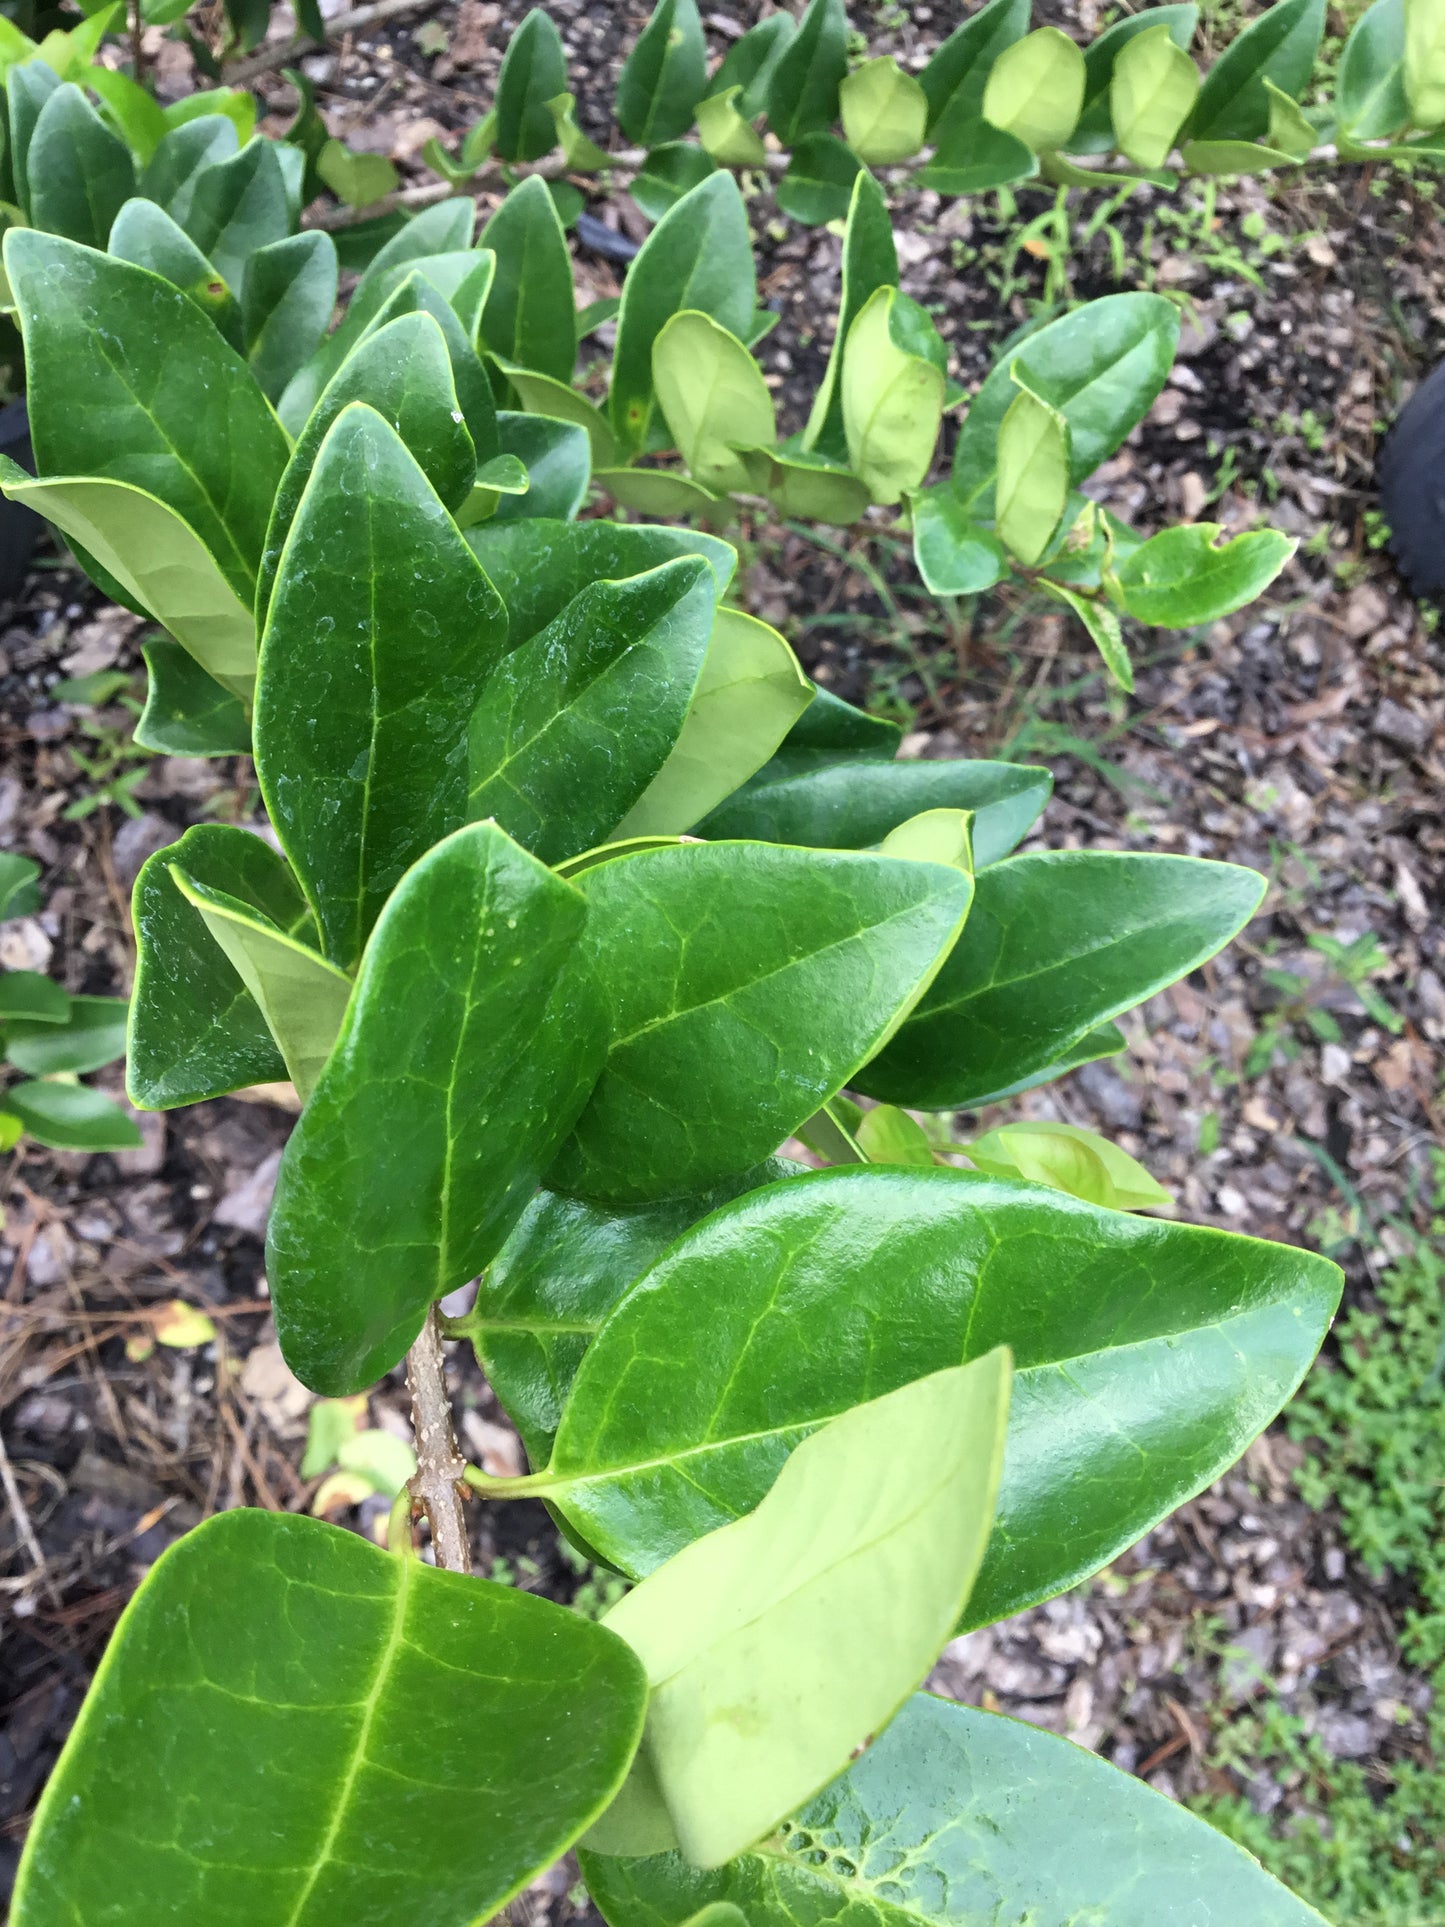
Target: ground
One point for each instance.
(1246, 1652)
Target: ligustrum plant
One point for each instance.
(582, 903)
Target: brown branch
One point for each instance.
(439, 1464)
(283, 52)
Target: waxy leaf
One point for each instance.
(157, 561)
(147, 236)
(1035, 89)
(1033, 475)
(534, 71)
(470, 1044)
(25, 993)
(751, 59)
(1146, 1356)
(132, 109)
(238, 206)
(530, 316)
(1058, 942)
(1103, 626)
(870, 262)
(431, 288)
(1095, 131)
(19, 896)
(79, 174)
(195, 1029)
(1100, 366)
(1070, 1159)
(1424, 71)
(808, 486)
(128, 381)
(1187, 575)
(664, 76)
(573, 726)
(699, 256)
(893, 383)
(854, 1567)
(1291, 131)
(1280, 46)
(181, 155)
(955, 78)
(541, 395)
(70, 1117)
(713, 397)
(886, 1135)
(818, 185)
(669, 172)
(558, 463)
(91, 1033)
(381, 631)
(554, 1281)
(187, 712)
(663, 491)
(955, 556)
(1370, 93)
(959, 1816)
(750, 693)
(727, 137)
(885, 111)
(360, 180)
(978, 156)
(27, 88)
(1226, 159)
(1152, 93)
(280, 1707)
(743, 986)
(804, 83)
(286, 304)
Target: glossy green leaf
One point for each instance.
(534, 71)
(1370, 93)
(286, 305)
(1103, 627)
(195, 1029)
(1151, 94)
(976, 157)
(808, 486)
(955, 556)
(1058, 942)
(541, 395)
(730, 140)
(743, 986)
(129, 382)
(751, 59)
(750, 693)
(885, 112)
(698, 256)
(855, 1566)
(1147, 1355)
(954, 1816)
(91, 1034)
(824, 801)
(27, 88)
(828, 723)
(1280, 46)
(429, 288)
(1424, 64)
(804, 83)
(381, 631)
(664, 76)
(1100, 366)
(146, 235)
(322, 1697)
(892, 394)
(228, 103)
(181, 155)
(1105, 1041)
(1070, 1159)
(558, 463)
(669, 172)
(1187, 575)
(530, 316)
(19, 896)
(574, 725)
(1033, 475)
(79, 174)
(1290, 129)
(713, 398)
(1095, 131)
(25, 993)
(818, 185)
(187, 712)
(547, 1291)
(71, 1117)
(870, 262)
(157, 561)
(956, 76)
(468, 1049)
(300, 995)
(237, 207)
(1035, 90)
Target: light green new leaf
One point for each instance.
(954, 79)
(541, 395)
(886, 1135)
(818, 185)
(870, 262)
(1290, 130)
(713, 398)
(320, 1693)
(581, 154)
(70, 1117)
(727, 138)
(380, 634)
(147, 236)
(25, 993)
(1070, 1159)
(664, 491)
(699, 256)
(954, 555)
(750, 693)
(804, 81)
(855, 1567)
(534, 71)
(1187, 575)
(807, 486)
(187, 712)
(195, 1029)
(663, 78)
(1227, 159)
(1280, 45)
(885, 111)
(1035, 89)
(744, 984)
(287, 299)
(237, 207)
(131, 109)
(530, 316)
(1370, 95)
(128, 381)
(301, 996)
(1033, 475)
(893, 393)
(1095, 131)
(469, 1047)
(1151, 94)
(1146, 1356)
(158, 562)
(92, 1033)
(961, 1816)
(1058, 943)
(575, 724)
(360, 180)
(79, 174)
(1103, 627)
(934, 836)
(1424, 63)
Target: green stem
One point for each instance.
(514, 1488)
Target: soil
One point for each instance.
(1305, 738)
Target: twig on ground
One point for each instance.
(439, 1463)
(23, 1527)
(239, 72)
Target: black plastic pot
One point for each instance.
(1412, 486)
(20, 527)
